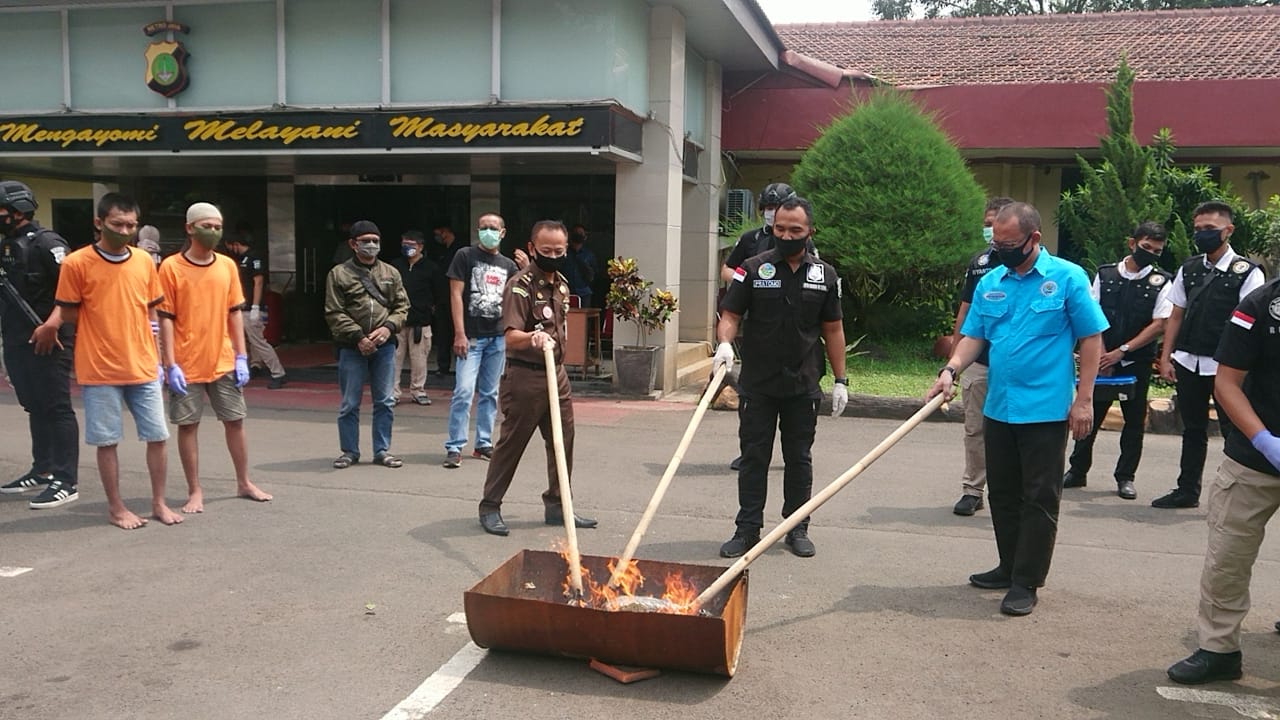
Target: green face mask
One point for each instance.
(208, 237)
(114, 239)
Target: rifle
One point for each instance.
(13, 297)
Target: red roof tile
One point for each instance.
(1222, 43)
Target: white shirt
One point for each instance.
(1163, 308)
(1205, 364)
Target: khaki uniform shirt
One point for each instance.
(532, 301)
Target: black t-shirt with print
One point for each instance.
(483, 277)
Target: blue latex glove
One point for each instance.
(242, 371)
(177, 381)
(1268, 445)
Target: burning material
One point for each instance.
(520, 607)
(621, 595)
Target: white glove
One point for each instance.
(723, 356)
(254, 314)
(839, 399)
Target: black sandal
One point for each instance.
(387, 460)
(345, 460)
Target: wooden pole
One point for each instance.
(562, 470)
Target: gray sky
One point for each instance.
(816, 11)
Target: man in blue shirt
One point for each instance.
(1030, 315)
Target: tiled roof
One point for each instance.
(1224, 43)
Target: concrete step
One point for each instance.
(693, 373)
(688, 353)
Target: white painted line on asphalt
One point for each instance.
(10, 572)
(437, 687)
(1254, 707)
(458, 618)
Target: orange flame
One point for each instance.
(678, 597)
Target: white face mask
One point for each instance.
(988, 234)
(368, 250)
(768, 217)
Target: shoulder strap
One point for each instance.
(366, 280)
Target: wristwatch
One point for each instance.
(948, 368)
(842, 381)
(1124, 347)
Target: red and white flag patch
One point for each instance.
(739, 275)
(1241, 319)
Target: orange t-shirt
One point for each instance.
(114, 344)
(199, 299)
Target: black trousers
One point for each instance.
(1194, 392)
(1135, 421)
(442, 336)
(43, 386)
(796, 418)
(1024, 487)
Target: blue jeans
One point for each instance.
(104, 419)
(477, 374)
(353, 370)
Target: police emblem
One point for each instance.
(1156, 279)
(816, 274)
(1048, 287)
(166, 71)
(546, 312)
(767, 271)
(984, 258)
(1240, 267)
(58, 252)
(1274, 309)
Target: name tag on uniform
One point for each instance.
(766, 283)
(814, 286)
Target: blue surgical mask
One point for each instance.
(988, 233)
(489, 238)
(409, 251)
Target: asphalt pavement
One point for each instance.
(341, 597)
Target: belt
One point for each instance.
(525, 364)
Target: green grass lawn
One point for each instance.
(904, 368)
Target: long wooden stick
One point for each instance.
(672, 466)
(562, 471)
(816, 501)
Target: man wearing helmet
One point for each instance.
(32, 259)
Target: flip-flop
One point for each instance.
(344, 461)
(388, 460)
(422, 399)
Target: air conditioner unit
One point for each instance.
(739, 205)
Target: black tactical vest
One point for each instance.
(1211, 296)
(1128, 305)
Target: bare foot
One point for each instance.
(166, 516)
(195, 503)
(126, 520)
(251, 491)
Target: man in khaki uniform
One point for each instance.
(535, 305)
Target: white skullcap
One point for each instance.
(201, 211)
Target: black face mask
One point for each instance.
(1143, 257)
(1015, 256)
(9, 222)
(548, 264)
(789, 248)
(1209, 240)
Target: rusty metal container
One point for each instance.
(521, 607)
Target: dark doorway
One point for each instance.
(323, 213)
(573, 199)
(73, 220)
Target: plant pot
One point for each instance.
(635, 369)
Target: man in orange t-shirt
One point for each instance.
(202, 336)
(110, 291)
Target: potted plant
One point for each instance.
(631, 298)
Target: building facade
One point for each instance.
(300, 116)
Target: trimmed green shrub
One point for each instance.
(897, 213)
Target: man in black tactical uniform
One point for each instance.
(1204, 292)
(32, 257)
(1134, 297)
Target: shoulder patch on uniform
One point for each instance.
(1240, 267)
(767, 271)
(58, 252)
(739, 275)
(1274, 309)
(1156, 279)
(1048, 287)
(516, 289)
(984, 258)
(1243, 320)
